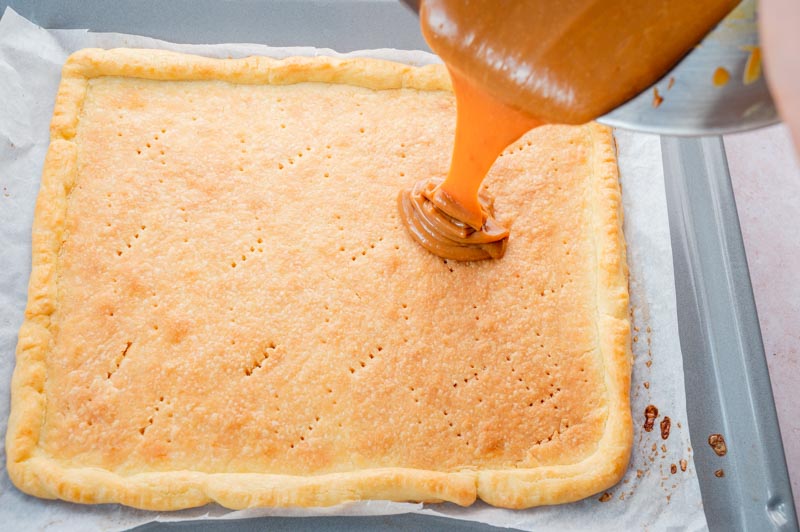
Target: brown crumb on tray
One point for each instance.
(683, 464)
(605, 497)
(673, 468)
(666, 424)
(717, 443)
(719, 473)
(650, 415)
(646, 385)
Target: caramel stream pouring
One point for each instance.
(518, 65)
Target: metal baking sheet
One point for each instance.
(727, 382)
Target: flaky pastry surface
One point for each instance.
(224, 306)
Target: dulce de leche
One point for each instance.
(518, 65)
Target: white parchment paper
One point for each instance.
(649, 497)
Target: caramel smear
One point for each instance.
(720, 77)
(657, 98)
(444, 235)
(752, 69)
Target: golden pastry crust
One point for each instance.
(108, 407)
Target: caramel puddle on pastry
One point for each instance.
(445, 235)
(517, 66)
(453, 218)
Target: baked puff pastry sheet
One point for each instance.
(224, 306)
